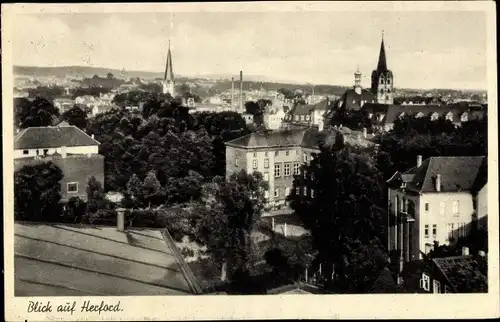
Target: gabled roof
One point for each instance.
(384, 283)
(457, 174)
(85, 260)
(52, 137)
(463, 273)
(352, 100)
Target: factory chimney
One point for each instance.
(232, 92)
(241, 90)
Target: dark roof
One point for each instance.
(52, 137)
(351, 100)
(463, 273)
(393, 112)
(298, 288)
(384, 283)
(457, 174)
(266, 139)
(84, 260)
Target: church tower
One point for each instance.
(383, 79)
(168, 79)
(357, 81)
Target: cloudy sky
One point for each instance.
(424, 49)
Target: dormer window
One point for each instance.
(402, 115)
(419, 115)
(370, 115)
(449, 116)
(464, 117)
(434, 116)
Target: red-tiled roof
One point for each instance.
(52, 137)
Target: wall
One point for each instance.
(444, 216)
(75, 169)
(232, 154)
(92, 149)
(482, 206)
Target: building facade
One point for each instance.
(439, 200)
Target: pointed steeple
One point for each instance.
(382, 61)
(169, 72)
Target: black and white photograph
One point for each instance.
(166, 151)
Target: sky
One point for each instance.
(425, 49)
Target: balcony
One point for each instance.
(407, 217)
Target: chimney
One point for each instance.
(419, 161)
(63, 151)
(465, 251)
(92, 136)
(232, 92)
(120, 220)
(438, 182)
(365, 134)
(241, 90)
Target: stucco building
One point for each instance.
(440, 199)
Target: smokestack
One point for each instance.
(120, 220)
(465, 251)
(241, 90)
(419, 161)
(438, 182)
(232, 92)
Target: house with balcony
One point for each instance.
(439, 200)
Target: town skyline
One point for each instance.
(232, 45)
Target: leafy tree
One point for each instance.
(74, 210)
(224, 226)
(76, 116)
(46, 92)
(98, 207)
(37, 191)
(344, 216)
(152, 189)
(39, 112)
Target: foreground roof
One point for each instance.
(52, 137)
(84, 260)
(297, 288)
(463, 273)
(457, 174)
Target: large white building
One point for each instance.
(439, 200)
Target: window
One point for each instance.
(255, 154)
(277, 170)
(312, 193)
(296, 117)
(305, 191)
(442, 207)
(45, 151)
(265, 154)
(434, 230)
(449, 116)
(305, 157)
(307, 117)
(426, 231)
(287, 169)
(434, 116)
(388, 81)
(266, 163)
(26, 152)
(236, 162)
(266, 176)
(474, 204)
(287, 152)
(254, 164)
(266, 194)
(297, 191)
(436, 286)
(455, 207)
(72, 187)
(287, 192)
(426, 206)
(276, 192)
(276, 153)
(296, 168)
(425, 282)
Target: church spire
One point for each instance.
(382, 61)
(168, 79)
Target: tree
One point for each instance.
(98, 207)
(344, 216)
(74, 210)
(152, 189)
(110, 76)
(37, 191)
(39, 112)
(224, 226)
(76, 116)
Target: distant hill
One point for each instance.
(80, 71)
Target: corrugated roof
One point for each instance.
(52, 137)
(457, 174)
(82, 260)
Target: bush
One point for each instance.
(187, 252)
